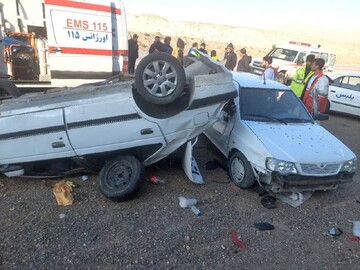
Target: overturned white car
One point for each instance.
(116, 126)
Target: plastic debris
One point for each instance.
(334, 231)
(62, 192)
(356, 228)
(156, 180)
(236, 241)
(268, 202)
(264, 226)
(190, 166)
(85, 177)
(189, 203)
(72, 184)
(294, 199)
(61, 216)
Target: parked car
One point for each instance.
(268, 136)
(116, 126)
(344, 93)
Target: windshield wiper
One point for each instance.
(297, 120)
(274, 119)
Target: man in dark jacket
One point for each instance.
(133, 53)
(244, 62)
(167, 48)
(230, 57)
(156, 46)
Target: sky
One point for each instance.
(333, 14)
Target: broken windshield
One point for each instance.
(272, 105)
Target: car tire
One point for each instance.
(121, 178)
(240, 171)
(160, 78)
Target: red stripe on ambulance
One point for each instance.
(82, 5)
(69, 50)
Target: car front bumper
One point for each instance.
(297, 183)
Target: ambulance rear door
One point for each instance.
(87, 38)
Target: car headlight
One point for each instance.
(280, 166)
(349, 166)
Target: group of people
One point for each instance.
(309, 83)
(230, 57)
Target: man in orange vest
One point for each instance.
(316, 94)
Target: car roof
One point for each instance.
(255, 81)
(353, 74)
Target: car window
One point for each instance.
(354, 83)
(338, 81)
(324, 56)
(274, 105)
(316, 54)
(332, 60)
(284, 54)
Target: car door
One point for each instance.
(34, 136)
(110, 125)
(220, 132)
(344, 95)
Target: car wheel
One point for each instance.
(160, 78)
(121, 178)
(240, 171)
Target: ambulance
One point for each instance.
(56, 43)
(289, 57)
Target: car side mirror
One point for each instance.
(321, 117)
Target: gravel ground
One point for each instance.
(153, 232)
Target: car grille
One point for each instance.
(320, 169)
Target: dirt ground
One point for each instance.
(153, 232)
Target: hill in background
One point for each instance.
(257, 41)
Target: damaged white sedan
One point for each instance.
(268, 136)
(116, 126)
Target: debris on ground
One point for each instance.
(268, 202)
(189, 203)
(294, 199)
(334, 231)
(85, 177)
(236, 241)
(264, 226)
(356, 228)
(156, 180)
(62, 192)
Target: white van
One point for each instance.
(268, 136)
(287, 58)
(53, 43)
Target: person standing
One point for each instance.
(156, 46)
(244, 62)
(133, 48)
(167, 48)
(302, 75)
(192, 51)
(270, 73)
(178, 52)
(316, 94)
(230, 57)
(202, 48)
(213, 55)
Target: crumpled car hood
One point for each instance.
(308, 143)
